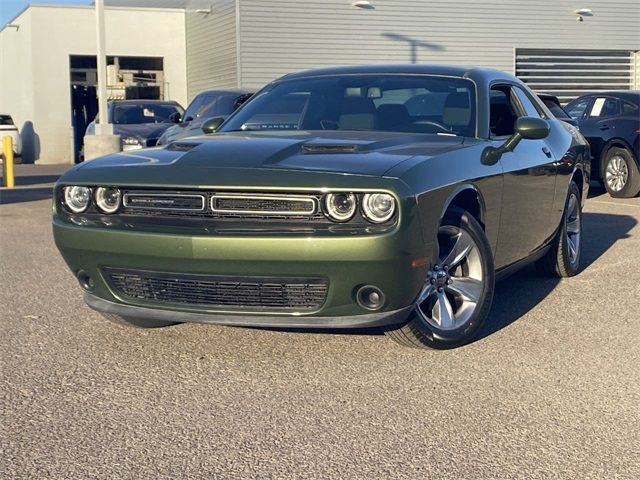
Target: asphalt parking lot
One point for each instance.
(552, 390)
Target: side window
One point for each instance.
(604, 107)
(528, 106)
(503, 114)
(577, 108)
(206, 102)
(193, 107)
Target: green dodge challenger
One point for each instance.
(373, 196)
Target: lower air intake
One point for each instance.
(214, 291)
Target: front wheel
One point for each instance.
(456, 297)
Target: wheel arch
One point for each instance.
(582, 181)
(468, 198)
(613, 143)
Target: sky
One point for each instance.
(10, 8)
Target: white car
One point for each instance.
(7, 127)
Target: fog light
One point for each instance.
(370, 297)
(85, 280)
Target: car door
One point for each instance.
(529, 179)
(597, 127)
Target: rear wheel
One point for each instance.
(137, 322)
(563, 259)
(456, 297)
(620, 173)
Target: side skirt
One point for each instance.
(509, 270)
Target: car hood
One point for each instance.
(200, 160)
(141, 130)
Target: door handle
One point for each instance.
(604, 127)
(547, 152)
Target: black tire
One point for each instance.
(559, 261)
(137, 322)
(417, 332)
(616, 160)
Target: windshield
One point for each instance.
(137, 113)
(392, 103)
(6, 120)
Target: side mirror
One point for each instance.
(532, 128)
(175, 117)
(527, 128)
(212, 125)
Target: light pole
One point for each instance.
(103, 141)
(103, 128)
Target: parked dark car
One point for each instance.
(139, 122)
(206, 105)
(553, 103)
(326, 202)
(610, 121)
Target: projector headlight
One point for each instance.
(108, 199)
(340, 207)
(77, 199)
(378, 207)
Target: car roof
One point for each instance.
(629, 95)
(224, 92)
(406, 69)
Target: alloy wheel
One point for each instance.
(616, 173)
(454, 286)
(573, 227)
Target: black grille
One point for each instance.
(214, 291)
(263, 204)
(172, 202)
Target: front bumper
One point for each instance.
(347, 262)
(242, 320)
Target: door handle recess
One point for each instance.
(547, 152)
(604, 127)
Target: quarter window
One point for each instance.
(628, 108)
(529, 108)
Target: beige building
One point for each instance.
(47, 55)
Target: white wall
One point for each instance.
(40, 91)
(16, 72)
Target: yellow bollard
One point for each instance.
(7, 165)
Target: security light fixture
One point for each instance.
(364, 4)
(204, 11)
(583, 12)
(13, 25)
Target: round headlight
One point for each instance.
(340, 207)
(108, 199)
(77, 199)
(378, 207)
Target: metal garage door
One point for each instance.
(571, 73)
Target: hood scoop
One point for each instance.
(328, 148)
(181, 146)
